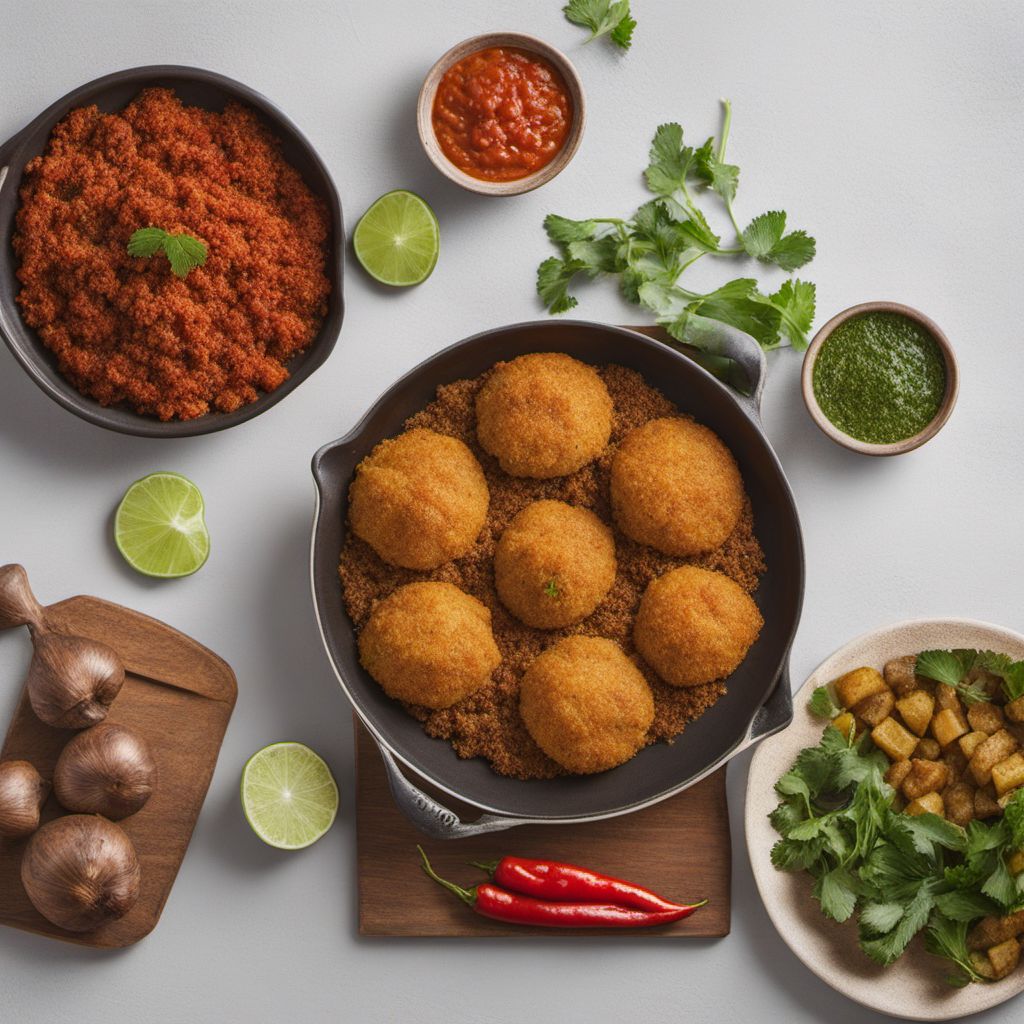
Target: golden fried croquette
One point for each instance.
(586, 705)
(553, 564)
(419, 500)
(543, 415)
(695, 626)
(429, 644)
(676, 487)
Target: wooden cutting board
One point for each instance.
(679, 848)
(180, 696)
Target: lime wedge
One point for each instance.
(159, 526)
(288, 795)
(397, 240)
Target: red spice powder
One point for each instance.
(487, 723)
(125, 329)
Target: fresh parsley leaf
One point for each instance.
(183, 252)
(887, 948)
(964, 905)
(879, 918)
(564, 230)
(765, 239)
(822, 704)
(553, 279)
(669, 160)
(836, 890)
(598, 255)
(795, 303)
(603, 17)
(942, 666)
(947, 937)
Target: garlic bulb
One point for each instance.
(22, 794)
(18, 606)
(72, 680)
(81, 871)
(106, 770)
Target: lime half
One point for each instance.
(288, 795)
(397, 240)
(159, 526)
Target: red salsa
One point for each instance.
(501, 113)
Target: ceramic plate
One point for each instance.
(913, 988)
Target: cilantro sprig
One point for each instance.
(954, 668)
(183, 252)
(610, 18)
(650, 251)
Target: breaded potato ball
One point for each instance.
(553, 564)
(419, 500)
(543, 415)
(586, 705)
(675, 487)
(695, 626)
(429, 644)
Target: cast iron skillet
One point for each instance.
(758, 702)
(113, 92)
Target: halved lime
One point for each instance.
(159, 526)
(398, 239)
(288, 795)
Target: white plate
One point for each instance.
(913, 987)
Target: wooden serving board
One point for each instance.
(180, 696)
(679, 848)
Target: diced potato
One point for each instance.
(970, 743)
(853, 687)
(948, 725)
(981, 963)
(946, 698)
(899, 674)
(985, 717)
(990, 931)
(894, 739)
(927, 749)
(929, 803)
(844, 723)
(996, 748)
(897, 772)
(1008, 774)
(985, 805)
(1004, 958)
(959, 802)
(916, 710)
(1016, 862)
(872, 710)
(924, 777)
(954, 758)
(1015, 710)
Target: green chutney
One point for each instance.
(880, 377)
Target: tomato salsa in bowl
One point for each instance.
(501, 114)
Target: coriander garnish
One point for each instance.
(603, 17)
(183, 251)
(551, 588)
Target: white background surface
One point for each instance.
(892, 132)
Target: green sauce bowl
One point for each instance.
(907, 444)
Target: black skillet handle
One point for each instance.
(775, 713)
(739, 357)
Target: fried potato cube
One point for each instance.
(947, 698)
(990, 931)
(959, 802)
(954, 758)
(872, 710)
(1008, 774)
(897, 772)
(969, 744)
(924, 777)
(929, 803)
(853, 687)
(996, 748)
(981, 963)
(1015, 710)
(899, 674)
(927, 749)
(1004, 958)
(985, 717)
(894, 739)
(844, 723)
(1016, 862)
(948, 725)
(916, 710)
(985, 805)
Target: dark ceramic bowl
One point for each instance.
(113, 92)
(758, 700)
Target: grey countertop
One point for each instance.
(892, 132)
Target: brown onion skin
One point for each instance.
(80, 872)
(22, 795)
(72, 680)
(108, 769)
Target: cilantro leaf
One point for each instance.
(836, 890)
(1013, 816)
(765, 239)
(669, 160)
(721, 177)
(942, 666)
(879, 918)
(1011, 672)
(822, 704)
(886, 948)
(183, 252)
(795, 302)
(599, 255)
(146, 242)
(603, 17)
(947, 937)
(564, 230)
(553, 279)
(963, 905)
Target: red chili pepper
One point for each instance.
(549, 880)
(492, 901)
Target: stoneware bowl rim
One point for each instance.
(896, 447)
(522, 41)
